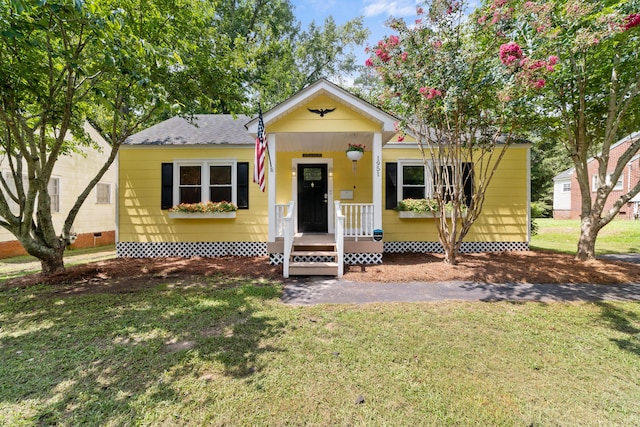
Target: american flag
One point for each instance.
(261, 149)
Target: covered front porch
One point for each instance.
(352, 243)
(313, 189)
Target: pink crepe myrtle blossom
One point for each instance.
(404, 56)
(401, 137)
(429, 92)
(419, 11)
(538, 84)
(393, 41)
(632, 20)
(437, 44)
(553, 60)
(510, 53)
(497, 4)
(383, 55)
(368, 62)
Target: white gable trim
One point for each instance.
(316, 89)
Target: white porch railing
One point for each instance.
(287, 226)
(358, 219)
(281, 212)
(339, 235)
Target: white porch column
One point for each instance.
(270, 164)
(377, 179)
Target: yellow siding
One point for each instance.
(343, 119)
(504, 217)
(141, 219)
(505, 211)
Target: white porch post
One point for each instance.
(270, 164)
(376, 158)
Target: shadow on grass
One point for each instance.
(622, 321)
(103, 359)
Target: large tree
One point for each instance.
(443, 76)
(123, 65)
(117, 64)
(592, 97)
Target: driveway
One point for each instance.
(309, 291)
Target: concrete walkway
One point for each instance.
(309, 291)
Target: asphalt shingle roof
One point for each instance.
(203, 129)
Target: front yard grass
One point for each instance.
(227, 352)
(617, 237)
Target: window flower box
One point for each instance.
(422, 208)
(201, 215)
(411, 214)
(206, 210)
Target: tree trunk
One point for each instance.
(450, 252)
(587, 241)
(52, 265)
(51, 259)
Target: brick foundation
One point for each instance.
(84, 240)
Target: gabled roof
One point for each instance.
(320, 87)
(564, 175)
(203, 129)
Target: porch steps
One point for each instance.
(323, 251)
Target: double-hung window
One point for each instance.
(207, 181)
(204, 180)
(54, 193)
(103, 193)
(412, 179)
(595, 182)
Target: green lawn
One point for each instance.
(562, 235)
(228, 352)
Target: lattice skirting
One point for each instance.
(190, 249)
(217, 249)
(349, 259)
(467, 247)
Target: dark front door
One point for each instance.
(312, 198)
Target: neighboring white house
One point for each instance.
(562, 191)
(95, 223)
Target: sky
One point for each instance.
(374, 12)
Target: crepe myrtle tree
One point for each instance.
(63, 62)
(593, 94)
(463, 98)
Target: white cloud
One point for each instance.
(396, 8)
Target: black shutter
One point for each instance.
(391, 186)
(242, 181)
(467, 176)
(166, 198)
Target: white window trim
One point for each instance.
(108, 202)
(594, 183)
(56, 178)
(566, 187)
(205, 178)
(619, 185)
(428, 176)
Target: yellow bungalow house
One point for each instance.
(320, 211)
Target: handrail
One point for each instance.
(288, 238)
(281, 212)
(358, 219)
(339, 236)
